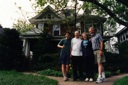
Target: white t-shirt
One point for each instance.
(76, 47)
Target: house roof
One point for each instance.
(48, 9)
(60, 17)
(121, 31)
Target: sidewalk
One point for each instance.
(109, 81)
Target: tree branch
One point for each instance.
(109, 12)
(124, 2)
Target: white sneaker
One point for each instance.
(99, 80)
(65, 78)
(91, 80)
(87, 79)
(103, 79)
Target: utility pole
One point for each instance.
(75, 13)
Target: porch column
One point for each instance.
(26, 48)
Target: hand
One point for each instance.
(101, 53)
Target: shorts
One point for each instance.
(98, 58)
(65, 58)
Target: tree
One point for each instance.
(22, 26)
(116, 9)
(11, 56)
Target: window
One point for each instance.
(49, 16)
(41, 26)
(56, 30)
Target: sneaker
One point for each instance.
(103, 79)
(99, 80)
(65, 78)
(87, 79)
(91, 80)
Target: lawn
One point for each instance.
(16, 78)
(122, 81)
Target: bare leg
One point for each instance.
(67, 68)
(100, 68)
(63, 69)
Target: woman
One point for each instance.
(88, 56)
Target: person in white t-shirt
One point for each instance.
(76, 55)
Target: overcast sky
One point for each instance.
(9, 11)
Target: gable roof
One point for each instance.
(121, 31)
(46, 10)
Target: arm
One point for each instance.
(60, 44)
(101, 45)
(71, 49)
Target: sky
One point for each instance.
(9, 12)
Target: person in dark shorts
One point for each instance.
(88, 57)
(65, 45)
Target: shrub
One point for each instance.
(11, 50)
(50, 72)
(123, 48)
(43, 54)
(116, 63)
(47, 61)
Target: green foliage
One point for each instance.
(22, 26)
(115, 11)
(116, 63)
(50, 72)
(47, 61)
(11, 50)
(59, 4)
(122, 81)
(123, 48)
(15, 78)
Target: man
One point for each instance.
(76, 55)
(65, 45)
(97, 45)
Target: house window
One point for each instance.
(41, 26)
(49, 16)
(56, 30)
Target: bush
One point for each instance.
(47, 61)
(50, 72)
(11, 50)
(116, 63)
(43, 56)
(123, 48)
(122, 81)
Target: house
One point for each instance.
(122, 35)
(58, 23)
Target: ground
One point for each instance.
(60, 80)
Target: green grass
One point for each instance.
(15, 78)
(50, 72)
(122, 81)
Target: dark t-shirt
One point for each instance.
(87, 48)
(67, 45)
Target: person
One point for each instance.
(88, 57)
(65, 45)
(76, 55)
(97, 45)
